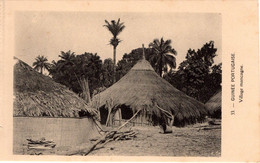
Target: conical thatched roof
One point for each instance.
(38, 95)
(214, 105)
(143, 88)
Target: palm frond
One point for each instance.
(162, 50)
(118, 22)
(173, 51)
(170, 60)
(114, 27)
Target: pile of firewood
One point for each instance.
(109, 136)
(127, 135)
(106, 138)
(212, 124)
(119, 135)
(40, 144)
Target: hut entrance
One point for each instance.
(122, 114)
(126, 112)
(103, 115)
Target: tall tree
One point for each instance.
(41, 63)
(115, 28)
(164, 55)
(71, 70)
(107, 73)
(66, 59)
(197, 76)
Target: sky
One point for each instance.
(49, 33)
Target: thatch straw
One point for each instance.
(214, 105)
(38, 95)
(143, 88)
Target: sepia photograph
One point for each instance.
(135, 81)
(117, 84)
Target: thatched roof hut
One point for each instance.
(46, 109)
(37, 95)
(214, 105)
(143, 88)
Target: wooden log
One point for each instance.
(99, 128)
(213, 122)
(40, 147)
(125, 137)
(211, 128)
(103, 139)
(119, 128)
(169, 115)
(88, 150)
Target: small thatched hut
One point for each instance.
(43, 108)
(214, 105)
(142, 88)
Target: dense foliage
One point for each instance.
(197, 76)
(107, 73)
(71, 68)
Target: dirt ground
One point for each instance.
(186, 141)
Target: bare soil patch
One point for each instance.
(188, 141)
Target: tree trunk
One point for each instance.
(114, 66)
(41, 70)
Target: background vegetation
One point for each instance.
(197, 75)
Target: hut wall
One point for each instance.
(120, 118)
(63, 131)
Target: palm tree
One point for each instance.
(41, 63)
(115, 28)
(162, 55)
(66, 58)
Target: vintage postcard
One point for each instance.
(129, 81)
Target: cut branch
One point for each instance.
(169, 114)
(109, 136)
(128, 120)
